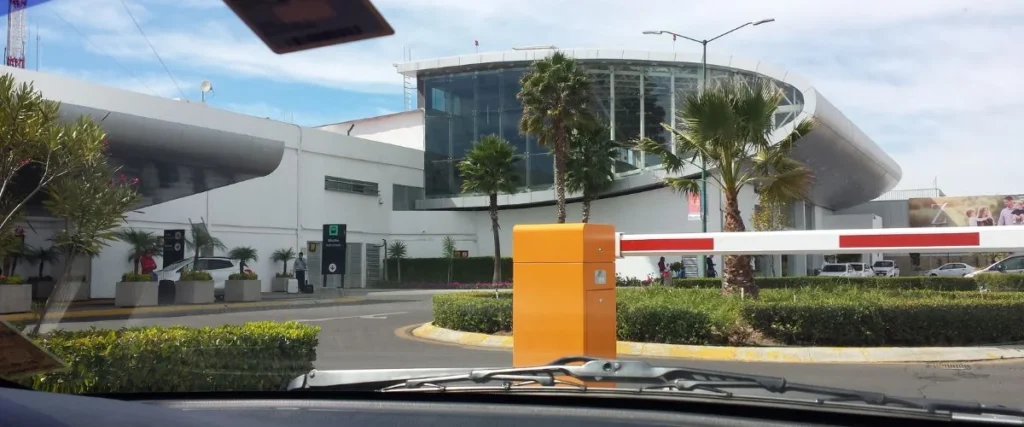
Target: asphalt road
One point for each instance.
(369, 335)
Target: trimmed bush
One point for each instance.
(420, 271)
(922, 282)
(1000, 282)
(840, 316)
(252, 356)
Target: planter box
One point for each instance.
(242, 290)
(279, 284)
(78, 290)
(186, 292)
(15, 298)
(42, 289)
(136, 294)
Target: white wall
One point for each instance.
(404, 129)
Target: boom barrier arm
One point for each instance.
(900, 240)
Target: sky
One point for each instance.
(934, 82)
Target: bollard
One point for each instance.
(563, 292)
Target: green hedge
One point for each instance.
(916, 282)
(435, 270)
(842, 316)
(253, 356)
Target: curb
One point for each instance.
(183, 310)
(428, 331)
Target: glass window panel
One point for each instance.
(510, 129)
(627, 109)
(461, 99)
(600, 94)
(438, 178)
(510, 88)
(462, 135)
(542, 171)
(657, 110)
(521, 170)
(487, 123)
(456, 177)
(488, 95)
(436, 134)
(434, 93)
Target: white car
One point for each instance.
(220, 268)
(885, 268)
(860, 269)
(836, 270)
(1012, 264)
(951, 269)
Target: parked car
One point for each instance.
(220, 268)
(1010, 264)
(836, 270)
(885, 268)
(951, 269)
(860, 269)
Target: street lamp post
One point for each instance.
(703, 84)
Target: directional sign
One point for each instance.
(332, 258)
(174, 246)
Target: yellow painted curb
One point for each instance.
(428, 331)
(199, 308)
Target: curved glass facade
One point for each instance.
(635, 100)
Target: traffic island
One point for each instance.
(430, 332)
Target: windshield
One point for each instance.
(377, 203)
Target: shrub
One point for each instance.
(248, 275)
(136, 277)
(435, 270)
(839, 316)
(11, 280)
(1000, 282)
(252, 356)
(195, 276)
(923, 282)
(284, 276)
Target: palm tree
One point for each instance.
(283, 256)
(142, 243)
(489, 168)
(243, 254)
(448, 250)
(729, 128)
(200, 239)
(554, 94)
(397, 251)
(591, 166)
(42, 256)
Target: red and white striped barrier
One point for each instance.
(892, 240)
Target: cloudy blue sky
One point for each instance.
(935, 82)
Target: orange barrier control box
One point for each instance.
(563, 292)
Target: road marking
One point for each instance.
(377, 316)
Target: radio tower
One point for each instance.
(16, 32)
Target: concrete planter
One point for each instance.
(42, 289)
(136, 294)
(242, 290)
(15, 298)
(280, 284)
(78, 290)
(188, 292)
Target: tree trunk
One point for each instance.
(398, 264)
(497, 243)
(135, 264)
(561, 153)
(60, 298)
(585, 218)
(736, 273)
(41, 265)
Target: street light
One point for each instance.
(703, 84)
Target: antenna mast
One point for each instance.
(16, 30)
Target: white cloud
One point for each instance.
(158, 84)
(933, 81)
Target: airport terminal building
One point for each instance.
(271, 185)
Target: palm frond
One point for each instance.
(683, 185)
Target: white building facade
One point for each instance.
(272, 185)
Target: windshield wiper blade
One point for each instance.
(653, 378)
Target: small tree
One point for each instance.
(283, 256)
(448, 250)
(591, 166)
(397, 251)
(243, 254)
(771, 214)
(200, 240)
(489, 168)
(142, 243)
(41, 256)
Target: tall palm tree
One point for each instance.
(489, 168)
(554, 94)
(142, 243)
(398, 251)
(729, 128)
(200, 239)
(283, 256)
(243, 254)
(591, 166)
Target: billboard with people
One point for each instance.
(966, 211)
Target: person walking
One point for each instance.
(299, 267)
